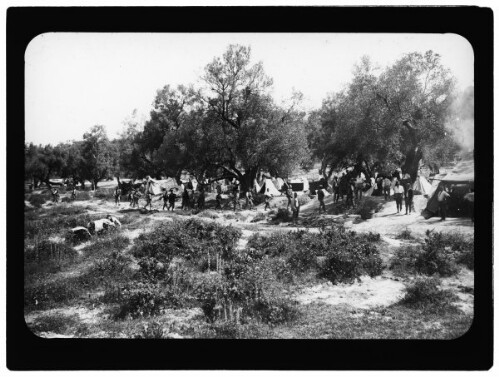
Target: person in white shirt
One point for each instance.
(442, 202)
(295, 206)
(398, 191)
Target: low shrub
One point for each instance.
(275, 310)
(151, 330)
(350, 257)
(107, 243)
(282, 216)
(424, 294)
(189, 239)
(83, 195)
(406, 234)
(48, 251)
(371, 237)
(37, 200)
(435, 257)
(144, 299)
(57, 323)
(273, 245)
(104, 193)
(44, 295)
(466, 258)
(366, 207)
(208, 214)
(404, 260)
(232, 330)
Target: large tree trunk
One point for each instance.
(411, 163)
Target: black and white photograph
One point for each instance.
(268, 186)
(204, 191)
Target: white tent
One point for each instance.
(422, 186)
(257, 186)
(152, 186)
(278, 182)
(267, 184)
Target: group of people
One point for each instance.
(351, 187)
(56, 196)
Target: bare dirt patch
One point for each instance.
(368, 293)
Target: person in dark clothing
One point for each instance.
(165, 200)
(219, 200)
(73, 193)
(289, 196)
(171, 200)
(117, 196)
(344, 186)
(336, 189)
(398, 191)
(201, 199)
(268, 196)
(349, 192)
(442, 202)
(55, 195)
(148, 201)
(235, 198)
(409, 195)
(185, 199)
(249, 200)
(320, 196)
(136, 197)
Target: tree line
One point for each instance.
(230, 127)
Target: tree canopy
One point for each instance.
(387, 119)
(228, 128)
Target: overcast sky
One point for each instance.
(77, 80)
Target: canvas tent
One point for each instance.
(421, 186)
(152, 186)
(299, 184)
(460, 180)
(278, 183)
(257, 186)
(267, 184)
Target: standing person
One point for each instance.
(165, 200)
(398, 193)
(136, 196)
(289, 196)
(470, 200)
(387, 184)
(117, 195)
(268, 196)
(55, 195)
(350, 192)
(409, 195)
(185, 199)
(73, 193)
(201, 199)
(336, 189)
(130, 197)
(148, 201)
(442, 201)
(359, 185)
(235, 198)
(249, 200)
(296, 208)
(171, 200)
(344, 185)
(218, 198)
(320, 196)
